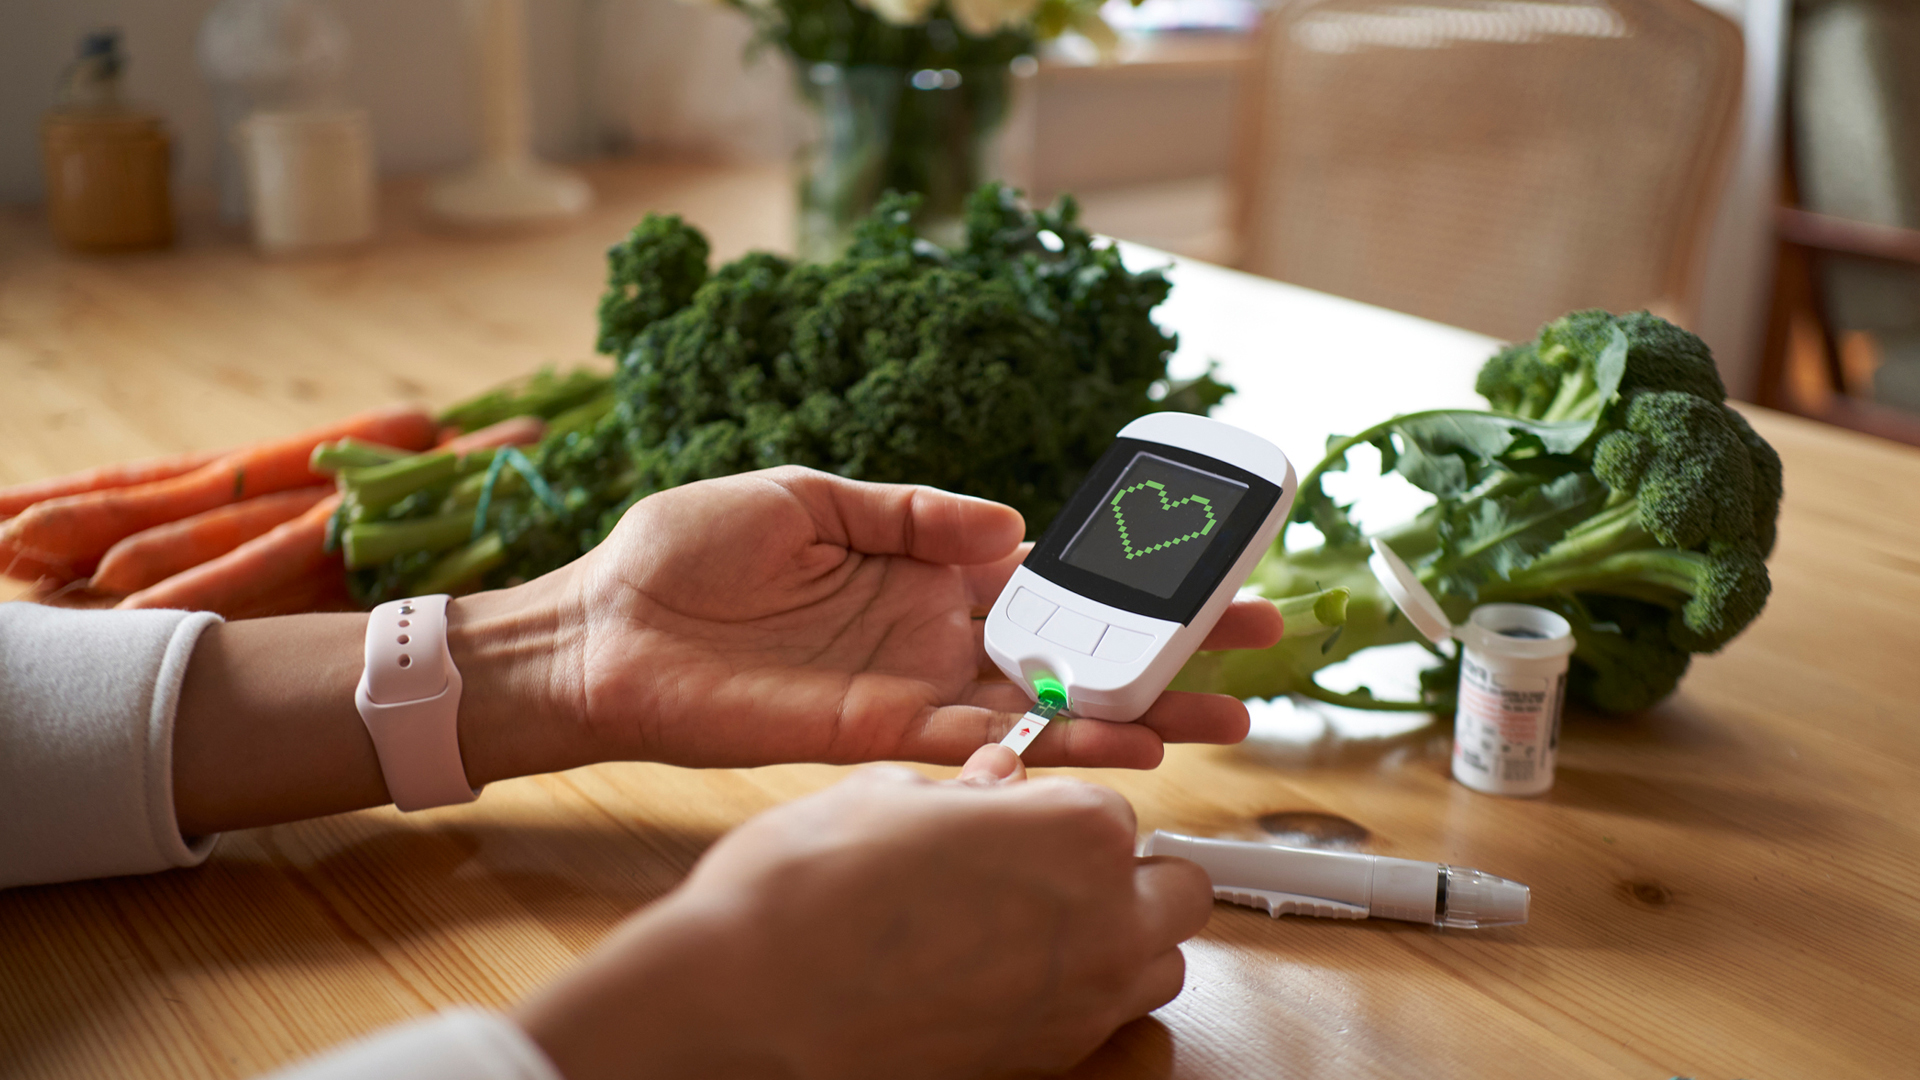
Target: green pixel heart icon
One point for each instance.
(1167, 506)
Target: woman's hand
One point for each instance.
(887, 927)
(789, 615)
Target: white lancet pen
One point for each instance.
(1347, 885)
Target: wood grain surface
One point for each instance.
(1728, 886)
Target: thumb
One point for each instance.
(991, 765)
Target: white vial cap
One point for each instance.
(1476, 899)
(1412, 598)
(1517, 632)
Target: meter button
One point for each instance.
(1028, 611)
(1122, 646)
(1074, 630)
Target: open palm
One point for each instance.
(789, 615)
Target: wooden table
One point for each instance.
(1728, 886)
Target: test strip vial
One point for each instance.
(1513, 688)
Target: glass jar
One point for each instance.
(929, 131)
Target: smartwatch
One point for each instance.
(409, 698)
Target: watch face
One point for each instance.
(1153, 524)
(1154, 529)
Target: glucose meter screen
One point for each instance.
(1154, 524)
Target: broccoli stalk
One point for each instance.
(1611, 484)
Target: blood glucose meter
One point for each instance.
(1131, 576)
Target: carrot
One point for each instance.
(77, 528)
(260, 576)
(21, 566)
(17, 498)
(148, 557)
(513, 431)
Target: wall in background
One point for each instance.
(606, 74)
(1737, 266)
(661, 75)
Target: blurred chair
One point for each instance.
(1491, 164)
(1844, 344)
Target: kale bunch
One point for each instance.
(1609, 482)
(1000, 369)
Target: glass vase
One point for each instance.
(930, 132)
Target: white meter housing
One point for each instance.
(1128, 581)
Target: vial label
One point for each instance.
(1506, 730)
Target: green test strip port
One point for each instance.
(1049, 691)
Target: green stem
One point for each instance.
(1657, 575)
(352, 454)
(1359, 699)
(370, 542)
(378, 487)
(546, 394)
(1314, 613)
(1613, 530)
(462, 566)
(583, 417)
(1575, 396)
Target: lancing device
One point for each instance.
(1131, 576)
(1347, 885)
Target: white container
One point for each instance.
(261, 55)
(309, 178)
(1513, 682)
(1513, 687)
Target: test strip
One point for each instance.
(1029, 727)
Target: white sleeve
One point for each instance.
(86, 742)
(461, 1044)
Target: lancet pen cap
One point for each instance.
(1476, 900)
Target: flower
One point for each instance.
(899, 12)
(983, 18)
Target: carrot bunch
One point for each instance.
(241, 532)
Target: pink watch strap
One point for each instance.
(409, 698)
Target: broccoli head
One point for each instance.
(1625, 661)
(1610, 482)
(1560, 374)
(1685, 460)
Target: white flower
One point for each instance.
(899, 12)
(983, 18)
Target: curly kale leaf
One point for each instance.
(1000, 369)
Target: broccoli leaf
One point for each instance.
(1494, 536)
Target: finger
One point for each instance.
(1118, 825)
(888, 774)
(1248, 623)
(897, 519)
(950, 734)
(991, 765)
(1176, 898)
(947, 735)
(1179, 716)
(1159, 982)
